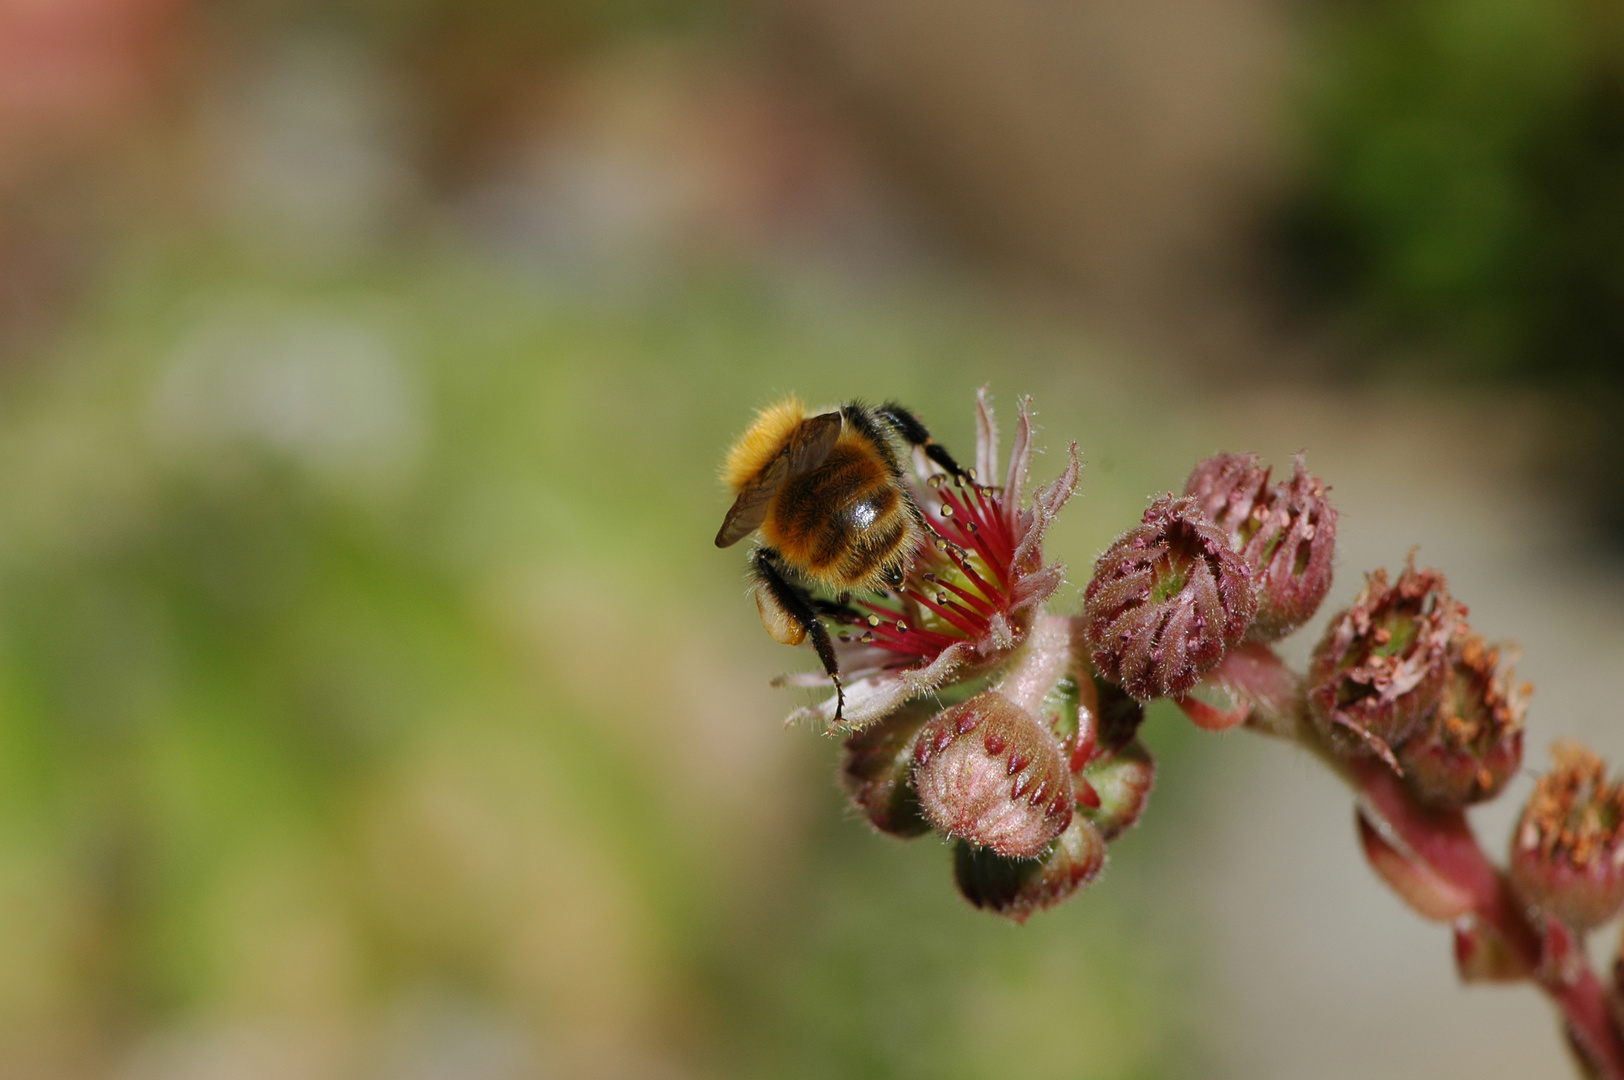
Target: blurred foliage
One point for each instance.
(1465, 180)
(554, 26)
(465, 66)
(1462, 207)
(368, 677)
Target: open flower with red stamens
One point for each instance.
(971, 592)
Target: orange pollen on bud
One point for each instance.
(1574, 810)
(1495, 713)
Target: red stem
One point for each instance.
(1444, 841)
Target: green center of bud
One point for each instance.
(1394, 635)
(1168, 582)
(1170, 573)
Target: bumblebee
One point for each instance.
(827, 495)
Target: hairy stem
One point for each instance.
(1043, 661)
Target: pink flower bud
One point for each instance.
(989, 772)
(1016, 888)
(1232, 490)
(1121, 783)
(1473, 742)
(1376, 675)
(1567, 852)
(1166, 601)
(877, 772)
(1286, 533)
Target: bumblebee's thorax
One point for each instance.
(844, 523)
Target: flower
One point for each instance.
(1473, 741)
(1567, 852)
(1231, 490)
(876, 770)
(989, 772)
(1015, 888)
(1120, 782)
(1376, 675)
(970, 594)
(1285, 532)
(1166, 601)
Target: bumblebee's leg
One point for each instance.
(788, 613)
(906, 424)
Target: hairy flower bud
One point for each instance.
(1286, 533)
(1291, 555)
(877, 772)
(1016, 888)
(987, 771)
(1121, 783)
(1231, 490)
(1112, 716)
(1567, 851)
(1166, 601)
(1376, 675)
(1473, 742)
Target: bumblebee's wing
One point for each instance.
(749, 510)
(806, 450)
(811, 443)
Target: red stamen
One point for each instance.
(982, 608)
(913, 641)
(975, 619)
(969, 628)
(991, 521)
(975, 578)
(990, 539)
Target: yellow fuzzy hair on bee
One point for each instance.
(762, 441)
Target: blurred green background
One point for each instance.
(373, 702)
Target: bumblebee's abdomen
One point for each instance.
(845, 524)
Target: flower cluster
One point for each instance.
(1014, 732)
(968, 711)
